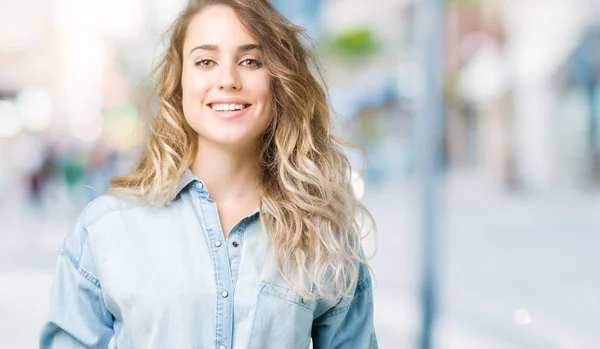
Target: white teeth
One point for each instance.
(227, 107)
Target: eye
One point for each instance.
(251, 63)
(205, 63)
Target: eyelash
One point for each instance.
(257, 63)
(199, 63)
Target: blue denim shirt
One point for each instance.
(164, 277)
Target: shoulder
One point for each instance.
(105, 205)
(76, 245)
(95, 211)
(109, 213)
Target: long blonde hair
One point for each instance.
(310, 212)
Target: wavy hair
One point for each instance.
(314, 221)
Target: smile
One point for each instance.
(229, 111)
(227, 107)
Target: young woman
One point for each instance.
(238, 228)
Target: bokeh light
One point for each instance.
(522, 317)
(10, 123)
(119, 125)
(35, 108)
(87, 127)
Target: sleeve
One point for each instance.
(349, 325)
(78, 317)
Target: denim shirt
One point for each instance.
(164, 277)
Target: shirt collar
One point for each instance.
(186, 179)
(189, 177)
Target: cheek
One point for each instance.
(193, 86)
(194, 91)
(262, 90)
(258, 83)
(194, 82)
(266, 112)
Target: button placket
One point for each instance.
(224, 308)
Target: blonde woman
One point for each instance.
(238, 228)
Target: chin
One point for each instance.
(233, 140)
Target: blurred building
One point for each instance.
(503, 101)
(578, 114)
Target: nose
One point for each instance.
(229, 79)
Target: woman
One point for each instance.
(242, 126)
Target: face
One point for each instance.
(226, 89)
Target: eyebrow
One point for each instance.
(209, 47)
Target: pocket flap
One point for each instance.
(284, 293)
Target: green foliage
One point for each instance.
(358, 41)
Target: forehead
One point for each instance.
(217, 25)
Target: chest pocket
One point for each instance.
(283, 320)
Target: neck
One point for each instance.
(229, 174)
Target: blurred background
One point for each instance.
(518, 223)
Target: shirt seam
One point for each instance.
(86, 275)
(336, 311)
(361, 287)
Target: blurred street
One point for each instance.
(514, 121)
(502, 252)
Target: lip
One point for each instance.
(234, 114)
(227, 101)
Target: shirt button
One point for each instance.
(224, 294)
(235, 244)
(218, 243)
(222, 347)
